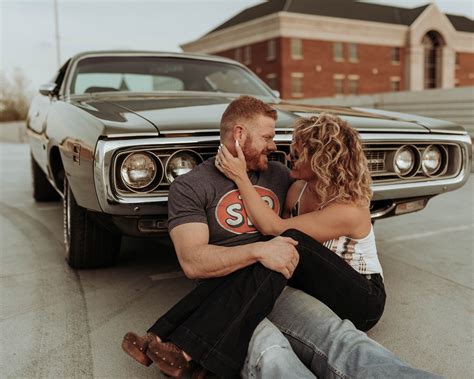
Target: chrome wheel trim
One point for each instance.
(66, 216)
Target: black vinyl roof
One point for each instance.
(348, 9)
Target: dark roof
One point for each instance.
(348, 9)
(461, 23)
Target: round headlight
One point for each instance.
(180, 163)
(138, 170)
(431, 160)
(404, 160)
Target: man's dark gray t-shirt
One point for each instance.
(205, 195)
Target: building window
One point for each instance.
(353, 84)
(395, 55)
(238, 54)
(353, 53)
(339, 84)
(271, 50)
(338, 50)
(272, 81)
(395, 84)
(296, 48)
(457, 61)
(297, 84)
(247, 55)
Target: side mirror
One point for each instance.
(276, 93)
(47, 89)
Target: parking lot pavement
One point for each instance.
(59, 323)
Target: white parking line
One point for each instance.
(428, 234)
(167, 275)
(49, 208)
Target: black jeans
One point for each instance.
(215, 321)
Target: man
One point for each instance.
(213, 237)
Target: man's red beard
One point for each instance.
(254, 157)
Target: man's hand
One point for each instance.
(279, 254)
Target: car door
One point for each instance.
(38, 116)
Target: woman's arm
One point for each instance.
(333, 221)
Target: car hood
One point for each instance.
(201, 114)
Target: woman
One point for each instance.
(329, 202)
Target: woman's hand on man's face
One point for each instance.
(233, 167)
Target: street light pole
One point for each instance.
(56, 23)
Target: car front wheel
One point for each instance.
(88, 244)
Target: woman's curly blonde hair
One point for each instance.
(335, 152)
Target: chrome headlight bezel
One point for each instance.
(443, 160)
(155, 179)
(414, 166)
(169, 176)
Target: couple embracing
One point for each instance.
(286, 262)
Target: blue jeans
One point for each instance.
(318, 343)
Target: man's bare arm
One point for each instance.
(199, 259)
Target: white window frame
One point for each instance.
(356, 49)
(296, 48)
(299, 76)
(395, 79)
(395, 62)
(336, 58)
(340, 77)
(238, 54)
(269, 77)
(353, 79)
(271, 49)
(247, 55)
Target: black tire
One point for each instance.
(42, 188)
(88, 244)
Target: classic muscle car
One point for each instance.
(112, 130)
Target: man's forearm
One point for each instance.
(210, 261)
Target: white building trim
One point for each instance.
(323, 28)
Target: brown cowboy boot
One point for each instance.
(136, 346)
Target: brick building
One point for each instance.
(314, 48)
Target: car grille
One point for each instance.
(375, 160)
(377, 156)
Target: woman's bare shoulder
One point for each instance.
(356, 217)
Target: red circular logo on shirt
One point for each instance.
(230, 210)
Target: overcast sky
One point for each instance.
(27, 32)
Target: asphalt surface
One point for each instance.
(59, 323)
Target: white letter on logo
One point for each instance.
(232, 210)
(269, 201)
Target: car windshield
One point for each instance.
(162, 74)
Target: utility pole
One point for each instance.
(56, 23)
